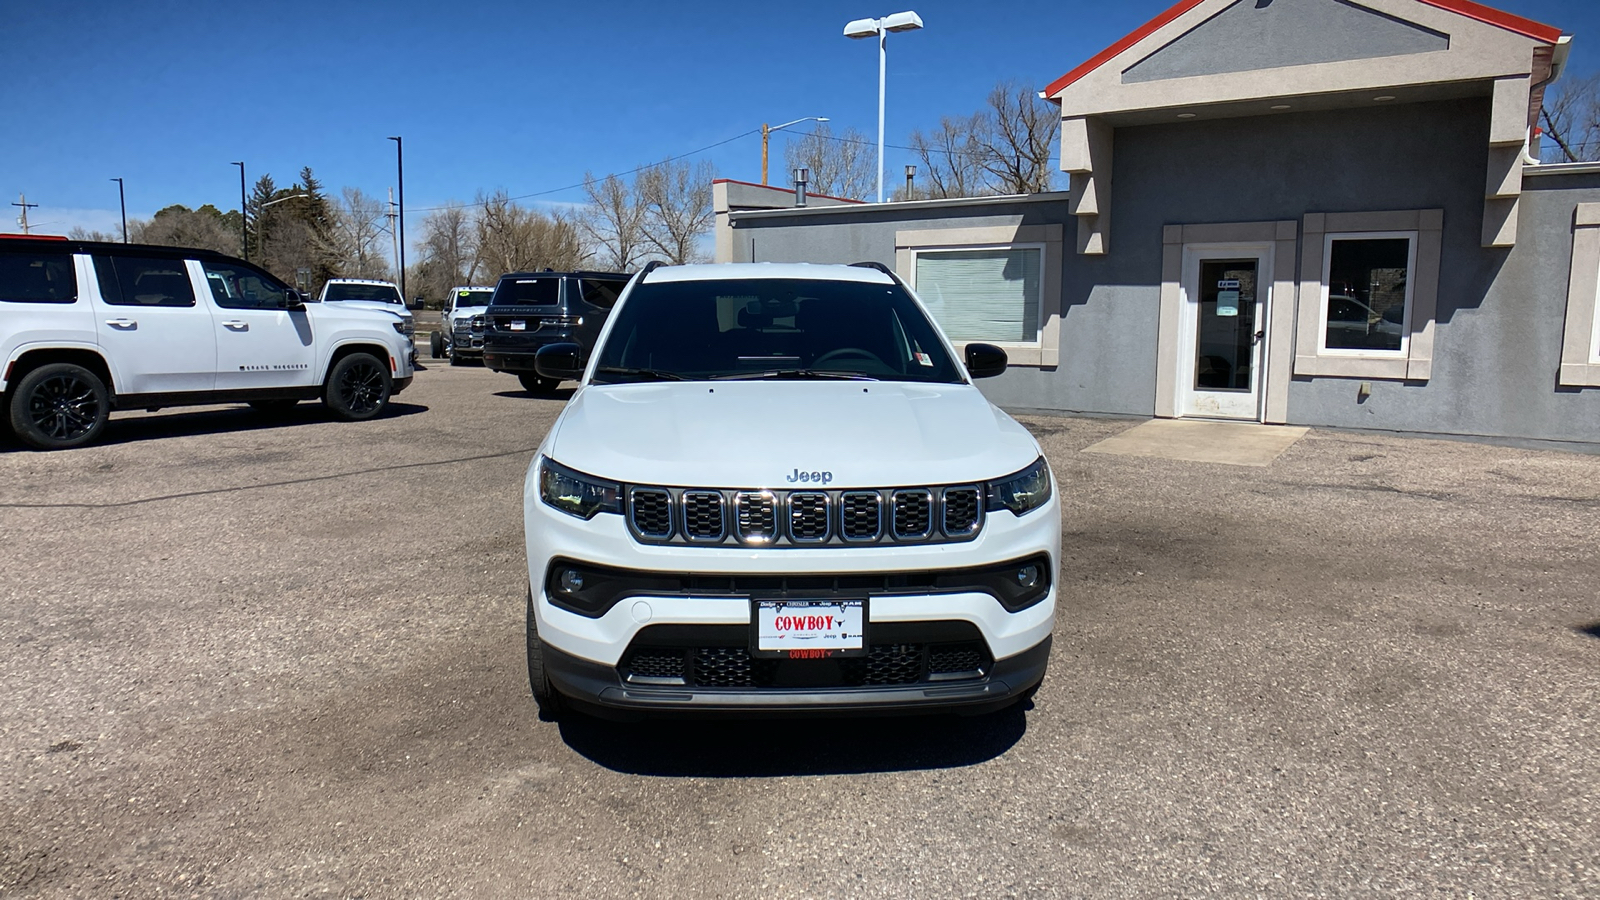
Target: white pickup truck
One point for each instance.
(88, 327)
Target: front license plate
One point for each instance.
(810, 629)
(519, 326)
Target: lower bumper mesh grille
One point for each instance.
(736, 668)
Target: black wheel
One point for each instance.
(455, 359)
(544, 693)
(358, 387)
(534, 383)
(436, 345)
(273, 407)
(58, 406)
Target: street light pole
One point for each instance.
(400, 168)
(244, 219)
(122, 199)
(880, 28)
(767, 132)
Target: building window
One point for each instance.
(1580, 343)
(1366, 290)
(989, 294)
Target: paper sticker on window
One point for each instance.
(924, 358)
(1227, 303)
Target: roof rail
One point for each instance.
(874, 264)
(649, 267)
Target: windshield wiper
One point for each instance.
(646, 374)
(793, 374)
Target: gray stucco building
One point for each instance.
(1312, 212)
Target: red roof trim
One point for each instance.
(784, 190)
(1488, 15)
(1491, 16)
(1134, 37)
(34, 237)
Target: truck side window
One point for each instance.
(235, 287)
(143, 281)
(34, 276)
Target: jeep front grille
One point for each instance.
(810, 518)
(913, 515)
(702, 516)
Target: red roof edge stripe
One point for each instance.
(34, 237)
(1486, 14)
(1134, 37)
(1491, 16)
(785, 190)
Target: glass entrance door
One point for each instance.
(1226, 330)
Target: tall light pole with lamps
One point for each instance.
(880, 28)
(244, 221)
(767, 132)
(122, 200)
(400, 170)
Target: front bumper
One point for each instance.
(600, 689)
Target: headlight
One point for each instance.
(399, 327)
(575, 493)
(1023, 492)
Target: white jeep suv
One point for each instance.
(89, 327)
(777, 489)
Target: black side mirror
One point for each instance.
(559, 361)
(293, 299)
(417, 303)
(985, 360)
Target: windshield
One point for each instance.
(382, 293)
(474, 298)
(772, 328)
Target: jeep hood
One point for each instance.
(758, 434)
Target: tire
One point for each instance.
(436, 345)
(358, 387)
(455, 359)
(58, 406)
(534, 383)
(544, 693)
(273, 407)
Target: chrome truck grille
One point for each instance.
(761, 518)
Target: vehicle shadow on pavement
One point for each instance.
(1592, 630)
(121, 430)
(562, 394)
(771, 748)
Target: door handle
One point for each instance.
(236, 325)
(123, 323)
(1256, 338)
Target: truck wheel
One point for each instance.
(58, 406)
(537, 384)
(358, 387)
(436, 344)
(544, 693)
(455, 358)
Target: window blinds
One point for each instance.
(982, 295)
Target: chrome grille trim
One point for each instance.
(955, 519)
(755, 519)
(657, 511)
(704, 520)
(810, 515)
(853, 512)
(911, 506)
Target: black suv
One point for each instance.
(532, 309)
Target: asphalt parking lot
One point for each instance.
(282, 658)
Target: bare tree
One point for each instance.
(180, 226)
(358, 236)
(513, 238)
(677, 197)
(449, 253)
(80, 233)
(1572, 120)
(952, 159)
(1018, 135)
(841, 165)
(615, 222)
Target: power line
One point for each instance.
(585, 181)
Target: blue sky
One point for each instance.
(525, 96)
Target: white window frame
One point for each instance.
(1038, 330)
(954, 234)
(1327, 291)
(1580, 343)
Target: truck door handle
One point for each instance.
(128, 324)
(236, 325)
(1256, 338)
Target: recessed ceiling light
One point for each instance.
(1280, 106)
(1185, 115)
(1384, 97)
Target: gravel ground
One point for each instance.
(251, 657)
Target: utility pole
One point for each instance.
(390, 215)
(23, 219)
(400, 169)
